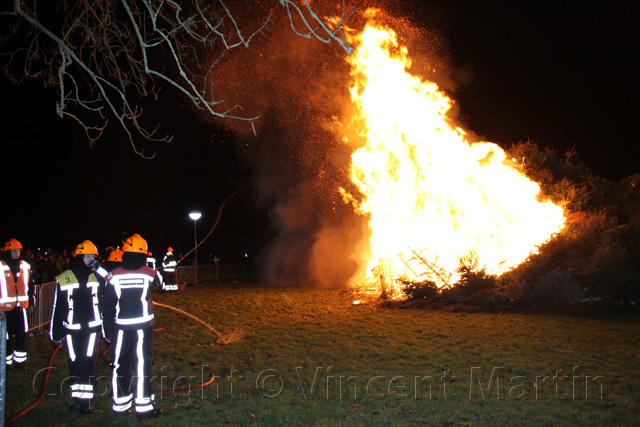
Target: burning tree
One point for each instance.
(106, 56)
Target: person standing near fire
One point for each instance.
(169, 265)
(114, 259)
(16, 300)
(128, 321)
(77, 319)
(151, 261)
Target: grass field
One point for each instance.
(294, 356)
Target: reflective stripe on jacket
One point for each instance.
(127, 299)
(12, 291)
(77, 310)
(169, 263)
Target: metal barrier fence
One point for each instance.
(41, 316)
(195, 273)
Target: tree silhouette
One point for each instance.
(105, 56)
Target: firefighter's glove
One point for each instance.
(95, 264)
(58, 342)
(30, 309)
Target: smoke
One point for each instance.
(297, 89)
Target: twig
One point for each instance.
(428, 264)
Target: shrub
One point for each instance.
(419, 290)
(557, 287)
(597, 253)
(473, 281)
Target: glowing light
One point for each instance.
(195, 216)
(431, 196)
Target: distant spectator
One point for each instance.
(46, 272)
(59, 264)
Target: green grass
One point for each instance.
(298, 356)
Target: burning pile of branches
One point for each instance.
(590, 264)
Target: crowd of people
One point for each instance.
(95, 296)
(46, 264)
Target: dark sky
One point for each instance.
(63, 191)
(557, 73)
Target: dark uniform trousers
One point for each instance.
(16, 335)
(132, 357)
(83, 359)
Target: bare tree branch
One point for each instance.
(320, 29)
(106, 56)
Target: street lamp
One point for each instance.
(195, 216)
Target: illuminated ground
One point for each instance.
(304, 357)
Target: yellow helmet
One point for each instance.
(135, 243)
(115, 255)
(86, 248)
(12, 244)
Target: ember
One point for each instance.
(433, 198)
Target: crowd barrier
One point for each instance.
(202, 273)
(41, 316)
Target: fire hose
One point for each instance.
(45, 381)
(42, 392)
(215, 225)
(193, 317)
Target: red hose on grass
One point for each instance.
(164, 392)
(42, 392)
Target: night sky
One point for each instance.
(559, 75)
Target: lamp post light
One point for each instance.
(195, 216)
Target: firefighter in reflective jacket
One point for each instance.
(77, 318)
(151, 261)
(128, 326)
(169, 265)
(16, 300)
(114, 259)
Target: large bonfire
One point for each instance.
(434, 199)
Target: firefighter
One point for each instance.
(76, 317)
(169, 265)
(16, 300)
(114, 259)
(151, 261)
(128, 326)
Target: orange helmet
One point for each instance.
(86, 247)
(135, 243)
(170, 250)
(150, 253)
(115, 255)
(12, 244)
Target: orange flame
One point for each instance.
(432, 197)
